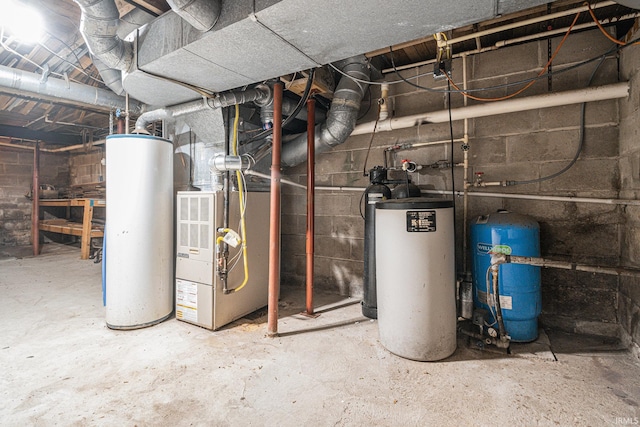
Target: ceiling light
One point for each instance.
(21, 22)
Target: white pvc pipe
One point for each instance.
(564, 30)
(478, 34)
(295, 184)
(424, 144)
(567, 199)
(590, 94)
(542, 18)
(504, 43)
(52, 150)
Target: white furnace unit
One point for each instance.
(200, 297)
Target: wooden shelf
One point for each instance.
(73, 202)
(86, 230)
(63, 226)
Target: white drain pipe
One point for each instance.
(590, 94)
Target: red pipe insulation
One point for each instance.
(311, 179)
(35, 193)
(274, 226)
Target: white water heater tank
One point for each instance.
(139, 231)
(415, 271)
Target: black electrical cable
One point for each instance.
(369, 106)
(191, 156)
(361, 199)
(366, 157)
(406, 178)
(580, 139)
(453, 180)
(289, 119)
(84, 70)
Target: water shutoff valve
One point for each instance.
(409, 166)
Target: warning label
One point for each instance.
(506, 302)
(421, 221)
(186, 300)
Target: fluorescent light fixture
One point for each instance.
(21, 21)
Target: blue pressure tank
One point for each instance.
(519, 285)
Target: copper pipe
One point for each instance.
(35, 194)
(274, 218)
(120, 126)
(311, 180)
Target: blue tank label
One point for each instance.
(487, 248)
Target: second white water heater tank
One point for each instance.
(415, 270)
(139, 231)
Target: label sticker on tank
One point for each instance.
(421, 221)
(488, 248)
(506, 301)
(374, 198)
(186, 300)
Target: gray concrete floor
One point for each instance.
(60, 365)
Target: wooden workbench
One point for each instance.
(85, 230)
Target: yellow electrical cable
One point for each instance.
(243, 232)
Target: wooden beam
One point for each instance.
(154, 7)
(124, 7)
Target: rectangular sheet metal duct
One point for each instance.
(251, 43)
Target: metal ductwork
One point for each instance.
(24, 83)
(99, 26)
(170, 113)
(342, 115)
(255, 41)
(133, 20)
(110, 76)
(259, 94)
(200, 14)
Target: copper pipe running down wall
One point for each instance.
(35, 194)
(274, 218)
(311, 180)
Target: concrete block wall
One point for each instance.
(629, 296)
(515, 146)
(86, 168)
(16, 177)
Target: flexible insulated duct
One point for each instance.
(169, 113)
(341, 118)
(200, 14)
(99, 25)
